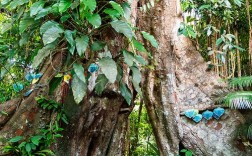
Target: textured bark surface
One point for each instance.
(27, 117)
(180, 82)
(96, 127)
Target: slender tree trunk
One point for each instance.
(180, 82)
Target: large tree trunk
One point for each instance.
(98, 126)
(180, 82)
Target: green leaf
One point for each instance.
(117, 7)
(150, 38)
(47, 25)
(125, 93)
(36, 7)
(188, 153)
(15, 3)
(70, 40)
(64, 18)
(238, 2)
(94, 19)
(128, 58)
(91, 4)
(42, 54)
(79, 89)
(64, 5)
(51, 35)
(22, 144)
(16, 139)
(191, 32)
(101, 83)
(4, 2)
(206, 6)
(98, 45)
(5, 27)
(109, 68)
(79, 71)
(82, 44)
(136, 79)
(25, 23)
(219, 41)
(36, 139)
(139, 46)
(127, 10)
(123, 27)
(43, 13)
(28, 148)
(112, 13)
(140, 60)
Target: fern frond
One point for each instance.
(239, 100)
(245, 81)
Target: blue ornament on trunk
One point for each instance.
(93, 67)
(207, 115)
(197, 118)
(218, 112)
(190, 113)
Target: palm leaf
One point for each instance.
(239, 100)
(240, 82)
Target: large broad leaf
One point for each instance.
(25, 23)
(128, 57)
(98, 45)
(109, 68)
(36, 7)
(51, 35)
(112, 13)
(238, 2)
(36, 139)
(64, 5)
(91, 4)
(136, 79)
(4, 2)
(117, 7)
(79, 89)
(139, 46)
(16, 139)
(140, 60)
(219, 41)
(127, 10)
(82, 44)
(43, 53)
(125, 93)
(5, 27)
(43, 13)
(123, 27)
(150, 38)
(47, 25)
(101, 83)
(94, 19)
(70, 40)
(79, 71)
(15, 3)
(28, 147)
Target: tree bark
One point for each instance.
(178, 82)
